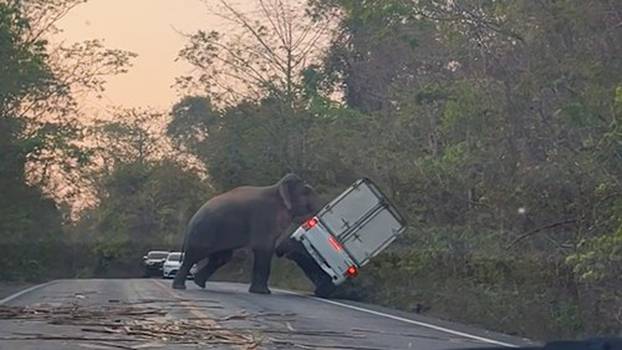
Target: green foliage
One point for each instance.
(40, 156)
(29, 220)
(494, 126)
(24, 68)
(144, 206)
(192, 118)
(598, 258)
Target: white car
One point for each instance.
(172, 265)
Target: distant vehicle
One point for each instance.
(345, 235)
(153, 261)
(173, 263)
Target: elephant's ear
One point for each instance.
(284, 190)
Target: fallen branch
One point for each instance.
(97, 330)
(540, 229)
(241, 316)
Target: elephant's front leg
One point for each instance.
(261, 270)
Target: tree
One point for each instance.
(143, 204)
(262, 56)
(42, 96)
(38, 130)
(261, 64)
(231, 142)
(131, 135)
(494, 127)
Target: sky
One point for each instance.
(149, 28)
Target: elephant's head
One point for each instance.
(298, 197)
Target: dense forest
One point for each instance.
(495, 127)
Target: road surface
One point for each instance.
(238, 319)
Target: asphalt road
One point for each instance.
(282, 320)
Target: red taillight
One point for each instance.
(352, 271)
(309, 224)
(333, 242)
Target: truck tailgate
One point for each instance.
(375, 233)
(349, 208)
(363, 220)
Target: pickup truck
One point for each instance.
(332, 246)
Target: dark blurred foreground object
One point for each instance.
(612, 343)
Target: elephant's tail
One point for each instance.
(183, 244)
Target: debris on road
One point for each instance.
(124, 324)
(74, 311)
(135, 324)
(174, 331)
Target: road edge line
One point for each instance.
(25, 291)
(406, 320)
(419, 323)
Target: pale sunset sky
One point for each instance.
(148, 28)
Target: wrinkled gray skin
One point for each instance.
(247, 216)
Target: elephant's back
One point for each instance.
(238, 200)
(226, 214)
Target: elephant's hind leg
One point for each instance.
(190, 258)
(216, 261)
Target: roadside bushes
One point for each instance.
(535, 296)
(30, 228)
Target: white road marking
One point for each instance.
(22, 292)
(402, 319)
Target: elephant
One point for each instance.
(245, 217)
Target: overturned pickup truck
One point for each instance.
(343, 236)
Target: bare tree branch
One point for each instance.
(244, 22)
(540, 229)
